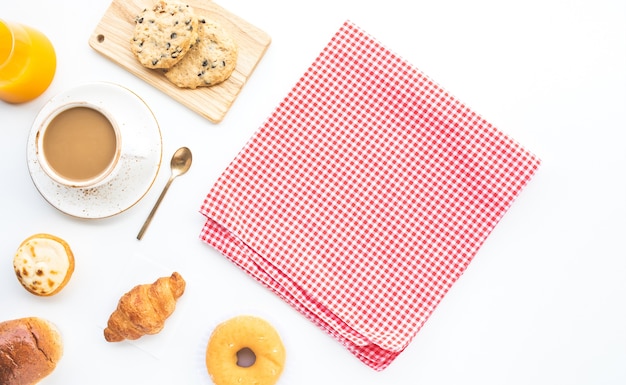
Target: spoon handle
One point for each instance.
(154, 209)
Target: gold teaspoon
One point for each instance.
(180, 163)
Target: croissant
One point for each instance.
(144, 309)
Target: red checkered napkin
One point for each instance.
(365, 195)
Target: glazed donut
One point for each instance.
(237, 335)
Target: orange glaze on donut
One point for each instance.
(230, 338)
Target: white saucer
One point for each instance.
(140, 157)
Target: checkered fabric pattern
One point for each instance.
(365, 195)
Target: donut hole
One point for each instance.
(245, 358)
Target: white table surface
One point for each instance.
(543, 302)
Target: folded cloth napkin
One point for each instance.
(364, 195)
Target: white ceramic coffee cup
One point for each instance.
(66, 146)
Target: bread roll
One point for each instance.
(29, 350)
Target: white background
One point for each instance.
(543, 302)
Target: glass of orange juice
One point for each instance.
(27, 62)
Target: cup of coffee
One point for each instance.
(78, 145)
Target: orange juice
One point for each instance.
(27, 62)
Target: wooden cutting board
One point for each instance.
(112, 35)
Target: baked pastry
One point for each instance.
(163, 34)
(44, 264)
(144, 309)
(209, 62)
(237, 335)
(30, 349)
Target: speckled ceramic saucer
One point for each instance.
(140, 159)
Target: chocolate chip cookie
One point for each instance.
(164, 34)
